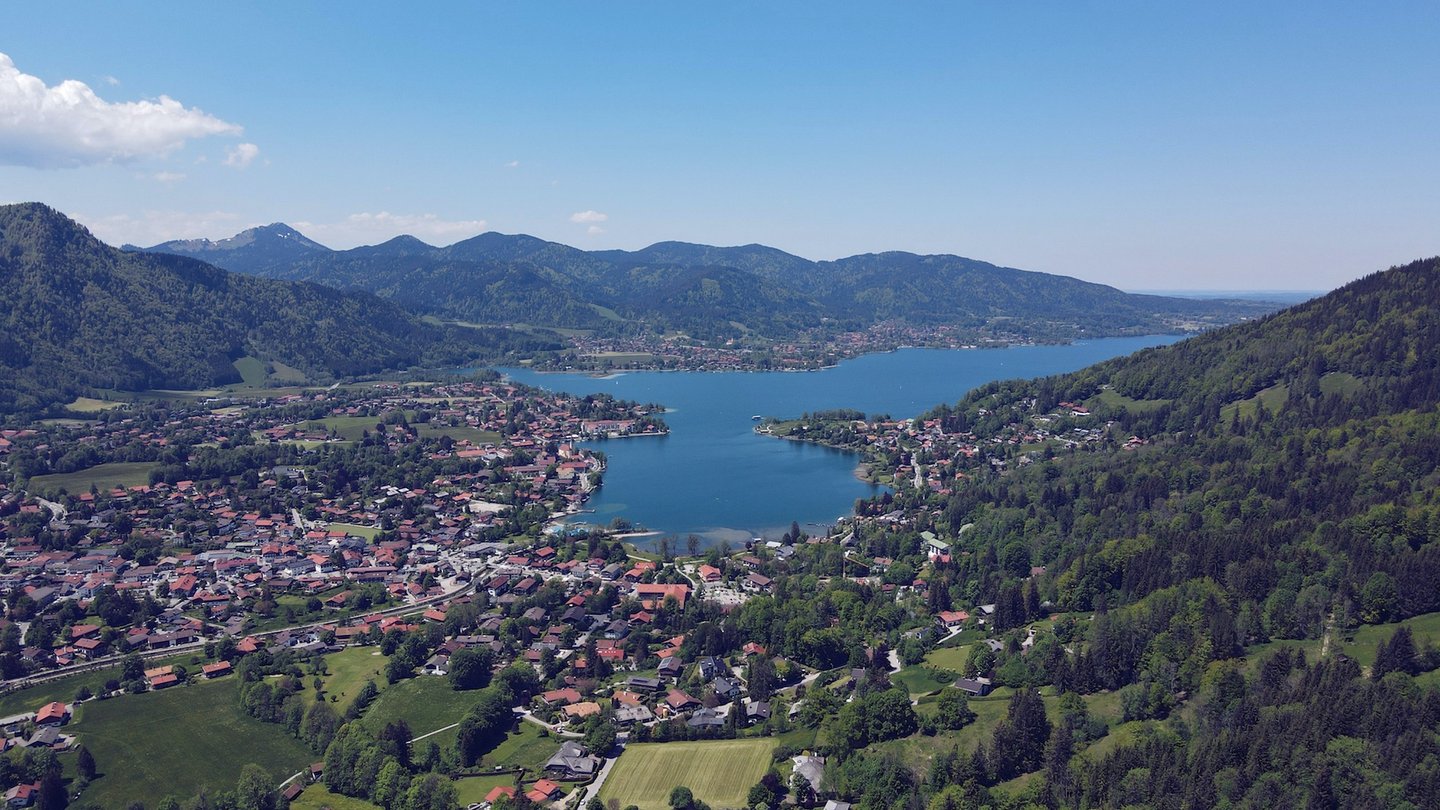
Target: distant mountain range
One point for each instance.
(79, 316)
(709, 292)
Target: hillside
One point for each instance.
(1211, 525)
(1315, 428)
(716, 293)
(80, 316)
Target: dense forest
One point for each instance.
(79, 316)
(710, 293)
(1270, 481)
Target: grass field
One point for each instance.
(252, 371)
(89, 405)
(524, 748)
(64, 689)
(173, 742)
(951, 658)
(317, 797)
(473, 789)
(621, 359)
(920, 680)
(425, 703)
(349, 670)
(103, 476)
(367, 532)
(459, 434)
(719, 772)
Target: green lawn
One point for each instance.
(921, 680)
(346, 427)
(349, 670)
(103, 476)
(367, 532)
(252, 371)
(64, 689)
(473, 789)
(951, 658)
(524, 748)
(317, 797)
(91, 405)
(173, 742)
(720, 772)
(462, 433)
(425, 703)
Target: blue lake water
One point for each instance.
(714, 477)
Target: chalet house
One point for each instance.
(976, 687)
(53, 714)
(678, 701)
(952, 618)
(630, 714)
(544, 790)
(572, 762)
(640, 684)
(711, 667)
(726, 689)
(705, 718)
(671, 668)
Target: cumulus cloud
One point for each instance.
(594, 230)
(240, 156)
(152, 227)
(367, 229)
(588, 216)
(68, 125)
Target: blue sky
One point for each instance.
(1145, 145)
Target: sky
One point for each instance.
(1225, 146)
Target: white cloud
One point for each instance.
(594, 230)
(68, 125)
(153, 227)
(111, 80)
(367, 229)
(168, 177)
(588, 216)
(240, 156)
(512, 164)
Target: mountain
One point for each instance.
(80, 316)
(725, 292)
(252, 251)
(1295, 455)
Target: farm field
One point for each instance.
(174, 742)
(719, 772)
(102, 476)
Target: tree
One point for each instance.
(394, 741)
(953, 709)
(432, 791)
(470, 668)
(255, 789)
(681, 798)
(85, 763)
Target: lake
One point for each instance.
(714, 477)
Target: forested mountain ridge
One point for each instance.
(1316, 426)
(725, 292)
(80, 316)
(1277, 480)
